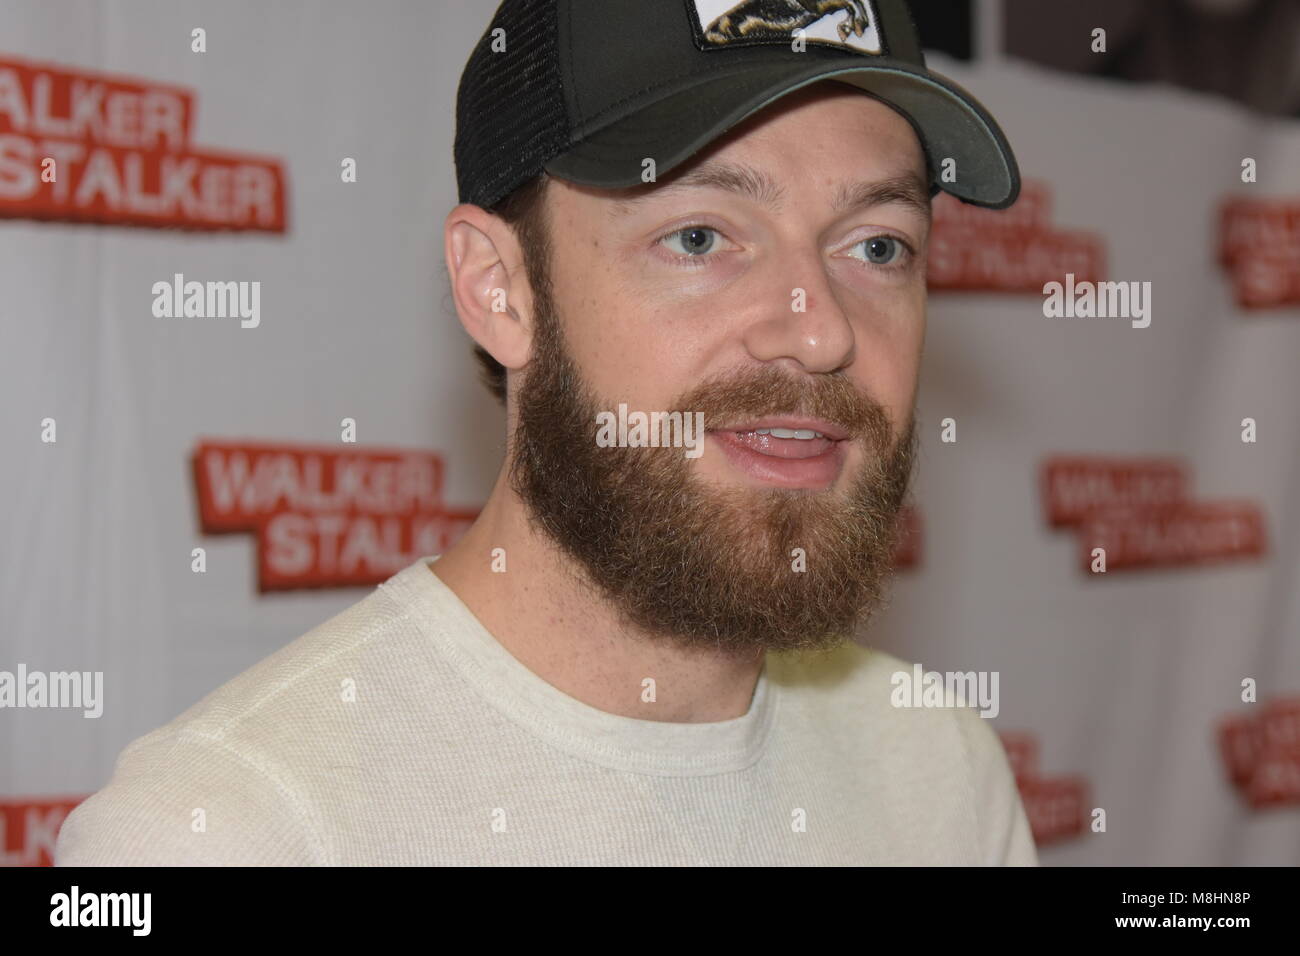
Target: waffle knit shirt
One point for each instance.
(400, 732)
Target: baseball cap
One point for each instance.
(588, 89)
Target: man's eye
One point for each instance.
(692, 241)
(882, 250)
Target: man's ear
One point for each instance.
(489, 283)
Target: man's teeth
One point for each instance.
(807, 434)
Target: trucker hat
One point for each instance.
(587, 90)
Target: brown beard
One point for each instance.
(683, 558)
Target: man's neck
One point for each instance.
(573, 638)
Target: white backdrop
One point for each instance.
(1122, 680)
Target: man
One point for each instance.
(640, 652)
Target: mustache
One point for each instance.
(769, 391)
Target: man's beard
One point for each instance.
(685, 559)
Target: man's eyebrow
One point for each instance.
(906, 190)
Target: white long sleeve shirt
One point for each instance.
(401, 732)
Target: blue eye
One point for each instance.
(694, 240)
(882, 250)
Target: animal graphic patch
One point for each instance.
(843, 23)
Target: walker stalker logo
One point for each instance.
(1259, 246)
(1057, 807)
(1262, 753)
(1189, 533)
(841, 23)
(87, 147)
(1012, 250)
(28, 829)
(325, 517)
(1139, 512)
(1075, 488)
(907, 553)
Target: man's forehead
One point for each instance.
(901, 186)
(827, 107)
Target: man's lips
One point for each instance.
(781, 447)
(756, 435)
(792, 462)
(794, 423)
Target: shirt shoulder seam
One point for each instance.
(313, 827)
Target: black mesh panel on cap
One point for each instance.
(510, 114)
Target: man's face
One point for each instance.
(796, 302)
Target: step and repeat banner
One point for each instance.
(234, 394)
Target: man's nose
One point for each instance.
(801, 318)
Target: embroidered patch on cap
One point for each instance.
(841, 23)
